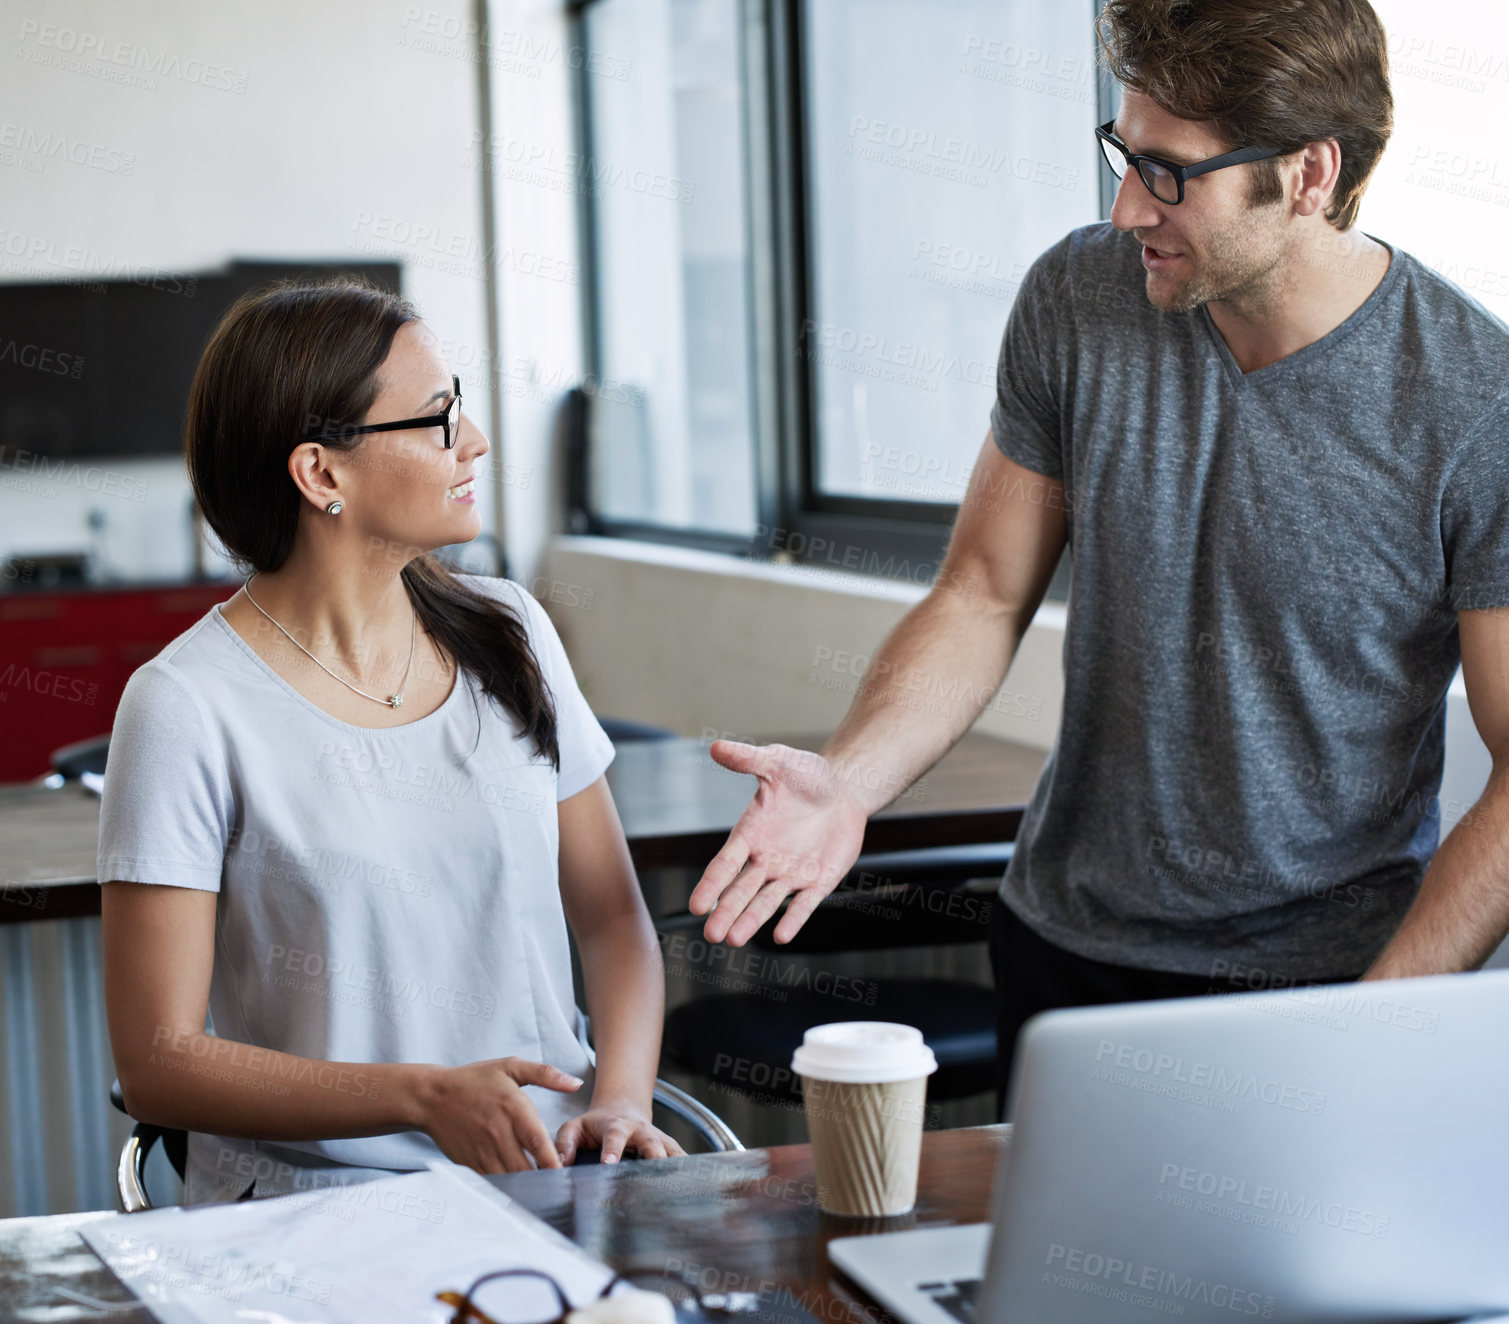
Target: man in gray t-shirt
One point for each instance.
(1279, 451)
(1263, 620)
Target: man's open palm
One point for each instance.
(800, 835)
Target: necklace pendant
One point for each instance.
(395, 701)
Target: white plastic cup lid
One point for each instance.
(864, 1052)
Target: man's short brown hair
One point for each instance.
(1264, 73)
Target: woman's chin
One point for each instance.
(463, 521)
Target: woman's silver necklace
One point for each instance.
(392, 701)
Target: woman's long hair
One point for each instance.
(298, 351)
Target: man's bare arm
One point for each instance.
(1462, 912)
(959, 640)
(803, 830)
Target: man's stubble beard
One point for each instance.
(1237, 267)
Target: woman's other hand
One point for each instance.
(614, 1127)
(479, 1114)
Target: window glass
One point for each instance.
(674, 436)
(949, 143)
(1441, 191)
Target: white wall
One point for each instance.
(532, 161)
(271, 130)
(696, 642)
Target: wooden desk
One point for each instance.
(48, 852)
(741, 1222)
(676, 804)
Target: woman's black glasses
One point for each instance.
(1164, 179)
(448, 418)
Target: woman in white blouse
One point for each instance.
(350, 811)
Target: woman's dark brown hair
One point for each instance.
(1264, 73)
(295, 352)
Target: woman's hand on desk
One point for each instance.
(479, 1114)
(613, 1128)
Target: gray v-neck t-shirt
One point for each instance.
(1262, 621)
(385, 895)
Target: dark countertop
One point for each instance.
(676, 804)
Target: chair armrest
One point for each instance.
(698, 1116)
(131, 1172)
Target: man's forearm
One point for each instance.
(925, 687)
(1462, 912)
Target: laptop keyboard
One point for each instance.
(958, 1298)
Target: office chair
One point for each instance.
(743, 1042)
(621, 732)
(70, 762)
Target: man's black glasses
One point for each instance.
(1164, 179)
(449, 418)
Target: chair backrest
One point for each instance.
(939, 897)
(620, 731)
(82, 756)
(889, 918)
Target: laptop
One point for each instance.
(1327, 1155)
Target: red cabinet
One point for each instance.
(65, 658)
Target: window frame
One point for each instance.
(796, 523)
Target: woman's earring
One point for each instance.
(334, 508)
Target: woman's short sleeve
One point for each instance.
(167, 810)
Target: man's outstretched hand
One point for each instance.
(800, 835)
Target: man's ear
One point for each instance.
(1317, 174)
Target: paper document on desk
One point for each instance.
(371, 1251)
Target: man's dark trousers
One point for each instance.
(1033, 975)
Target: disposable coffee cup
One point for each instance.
(864, 1090)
